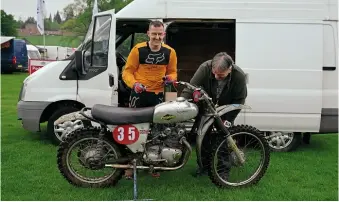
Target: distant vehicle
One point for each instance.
(33, 52)
(13, 55)
(56, 52)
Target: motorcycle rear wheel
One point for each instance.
(221, 179)
(85, 158)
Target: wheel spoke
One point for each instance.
(228, 171)
(88, 150)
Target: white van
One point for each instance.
(288, 50)
(33, 52)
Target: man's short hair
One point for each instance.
(156, 23)
(222, 61)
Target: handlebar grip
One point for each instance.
(196, 95)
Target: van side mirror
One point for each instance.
(79, 62)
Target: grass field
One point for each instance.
(65, 41)
(29, 170)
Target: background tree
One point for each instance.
(57, 18)
(20, 23)
(8, 24)
(30, 20)
(83, 13)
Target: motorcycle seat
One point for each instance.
(122, 115)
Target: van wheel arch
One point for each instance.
(54, 111)
(50, 109)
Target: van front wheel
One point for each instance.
(56, 133)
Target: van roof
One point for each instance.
(231, 9)
(6, 38)
(31, 47)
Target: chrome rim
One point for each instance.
(230, 163)
(279, 140)
(62, 130)
(91, 159)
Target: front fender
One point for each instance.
(72, 117)
(207, 121)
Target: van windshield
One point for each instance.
(101, 32)
(33, 54)
(101, 35)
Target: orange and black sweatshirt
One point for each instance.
(148, 67)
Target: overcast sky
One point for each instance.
(27, 8)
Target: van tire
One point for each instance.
(57, 114)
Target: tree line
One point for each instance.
(76, 17)
(9, 25)
(78, 14)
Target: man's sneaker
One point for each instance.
(155, 174)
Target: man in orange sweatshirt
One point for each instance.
(150, 65)
(147, 64)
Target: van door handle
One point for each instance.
(111, 80)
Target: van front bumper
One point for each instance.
(30, 113)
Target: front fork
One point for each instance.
(235, 149)
(230, 140)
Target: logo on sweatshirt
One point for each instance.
(155, 58)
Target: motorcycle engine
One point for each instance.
(164, 148)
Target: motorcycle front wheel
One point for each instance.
(224, 165)
(81, 159)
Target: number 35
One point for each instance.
(131, 133)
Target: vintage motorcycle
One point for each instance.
(155, 139)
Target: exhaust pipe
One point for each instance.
(186, 157)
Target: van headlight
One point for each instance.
(24, 87)
(23, 91)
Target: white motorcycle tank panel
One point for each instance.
(131, 135)
(175, 111)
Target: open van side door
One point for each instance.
(100, 62)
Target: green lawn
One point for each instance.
(65, 41)
(29, 170)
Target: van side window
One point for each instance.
(140, 37)
(330, 51)
(97, 52)
(125, 48)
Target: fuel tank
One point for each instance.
(175, 111)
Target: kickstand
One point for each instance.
(135, 187)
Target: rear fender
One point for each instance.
(207, 122)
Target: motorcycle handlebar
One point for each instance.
(202, 95)
(189, 86)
